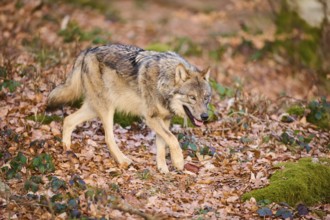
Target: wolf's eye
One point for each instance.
(192, 97)
(206, 98)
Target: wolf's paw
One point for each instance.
(66, 145)
(163, 169)
(125, 162)
(177, 159)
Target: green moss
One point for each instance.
(303, 181)
(44, 119)
(296, 110)
(301, 50)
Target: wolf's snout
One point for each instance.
(204, 116)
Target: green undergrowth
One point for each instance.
(44, 119)
(73, 32)
(45, 55)
(6, 82)
(304, 182)
(317, 112)
(160, 47)
(125, 119)
(182, 45)
(103, 6)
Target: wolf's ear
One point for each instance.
(181, 73)
(206, 73)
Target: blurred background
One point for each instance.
(271, 48)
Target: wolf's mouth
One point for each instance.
(193, 120)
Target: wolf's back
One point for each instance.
(71, 89)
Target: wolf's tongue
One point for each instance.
(198, 123)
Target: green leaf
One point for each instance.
(72, 204)
(21, 158)
(36, 161)
(57, 183)
(180, 136)
(193, 147)
(264, 212)
(43, 163)
(284, 213)
(56, 197)
(287, 139)
(59, 208)
(42, 168)
(264, 202)
(30, 185)
(302, 209)
(318, 115)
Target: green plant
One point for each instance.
(44, 119)
(144, 174)
(319, 113)
(125, 119)
(43, 163)
(160, 47)
(47, 56)
(33, 183)
(73, 32)
(10, 84)
(16, 164)
(222, 91)
(56, 183)
(296, 138)
(296, 110)
(185, 46)
(189, 143)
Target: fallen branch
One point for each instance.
(125, 207)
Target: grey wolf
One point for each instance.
(153, 85)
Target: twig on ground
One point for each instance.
(125, 207)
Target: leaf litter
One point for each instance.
(226, 158)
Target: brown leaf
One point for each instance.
(191, 167)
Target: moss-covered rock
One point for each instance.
(304, 181)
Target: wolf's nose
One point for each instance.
(204, 116)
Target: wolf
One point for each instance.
(125, 78)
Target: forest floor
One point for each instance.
(224, 159)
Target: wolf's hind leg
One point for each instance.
(85, 113)
(107, 120)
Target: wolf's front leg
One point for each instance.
(159, 126)
(161, 155)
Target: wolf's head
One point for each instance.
(192, 94)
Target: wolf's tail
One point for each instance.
(71, 89)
